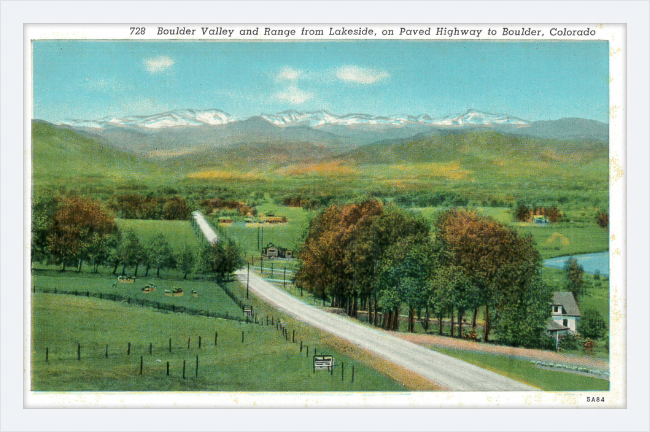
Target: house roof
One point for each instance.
(555, 326)
(566, 300)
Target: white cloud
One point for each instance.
(158, 64)
(294, 95)
(288, 74)
(360, 75)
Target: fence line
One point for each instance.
(147, 303)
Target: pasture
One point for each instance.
(209, 296)
(112, 338)
(178, 233)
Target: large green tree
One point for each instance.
(498, 261)
(160, 254)
(574, 276)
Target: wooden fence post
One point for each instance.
(150, 348)
(199, 342)
(307, 353)
(188, 343)
(352, 380)
(106, 353)
(342, 370)
(47, 354)
(242, 336)
(300, 346)
(78, 351)
(183, 369)
(293, 336)
(170, 344)
(215, 338)
(197, 366)
(128, 349)
(167, 368)
(140, 365)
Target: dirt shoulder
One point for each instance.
(435, 341)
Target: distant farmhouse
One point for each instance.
(540, 220)
(565, 316)
(271, 251)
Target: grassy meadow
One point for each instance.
(178, 233)
(525, 371)
(265, 361)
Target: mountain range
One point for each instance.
(210, 135)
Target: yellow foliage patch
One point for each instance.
(558, 237)
(326, 168)
(222, 175)
(451, 170)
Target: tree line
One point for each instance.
(73, 230)
(384, 259)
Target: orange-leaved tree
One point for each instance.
(75, 228)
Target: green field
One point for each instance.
(210, 296)
(265, 361)
(526, 372)
(178, 233)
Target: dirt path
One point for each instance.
(434, 341)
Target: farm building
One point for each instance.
(540, 220)
(565, 315)
(272, 251)
(225, 220)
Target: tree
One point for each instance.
(592, 325)
(343, 246)
(185, 261)
(44, 207)
(522, 213)
(176, 208)
(130, 251)
(222, 258)
(404, 276)
(602, 219)
(160, 254)
(522, 321)
(497, 260)
(75, 227)
(574, 277)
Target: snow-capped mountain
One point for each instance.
(477, 118)
(314, 119)
(172, 119)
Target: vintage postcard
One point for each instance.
(294, 216)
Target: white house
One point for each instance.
(565, 315)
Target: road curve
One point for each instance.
(451, 373)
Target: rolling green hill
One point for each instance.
(476, 146)
(60, 154)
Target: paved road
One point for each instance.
(447, 371)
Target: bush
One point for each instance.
(592, 325)
(569, 342)
(547, 342)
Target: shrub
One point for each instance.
(569, 342)
(592, 325)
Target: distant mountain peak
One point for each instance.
(314, 119)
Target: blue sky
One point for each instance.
(529, 80)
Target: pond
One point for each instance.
(589, 262)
